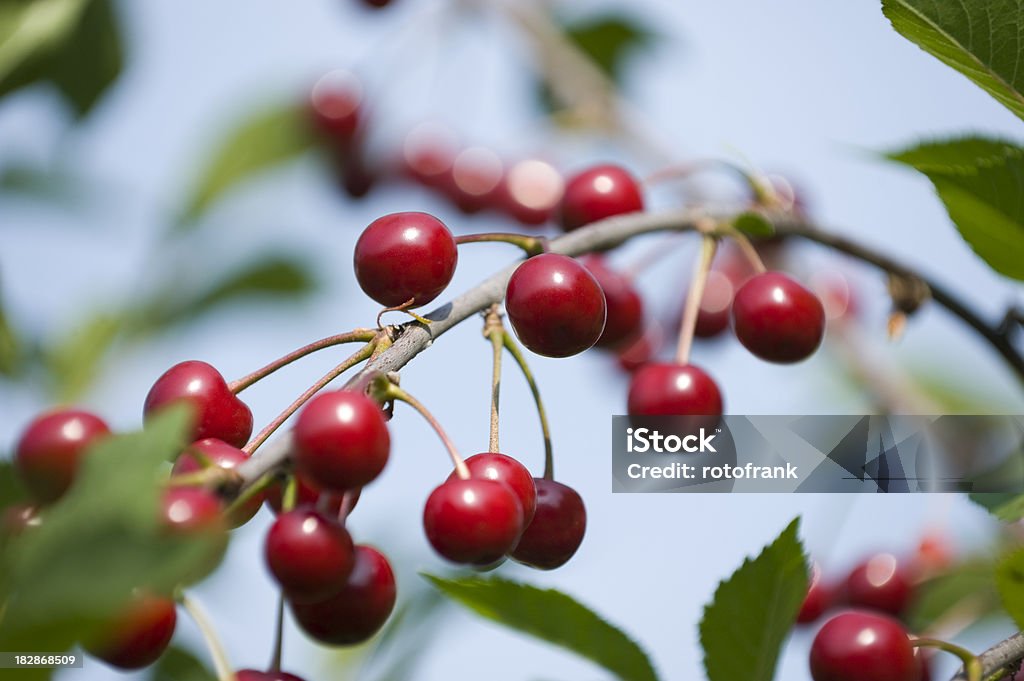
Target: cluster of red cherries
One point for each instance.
(866, 640)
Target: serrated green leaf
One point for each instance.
(257, 144)
(754, 224)
(979, 181)
(981, 39)
(754, 610)
(969, 583)
(1010, 582)
(101, 541)
(179, 664)
(554, 617)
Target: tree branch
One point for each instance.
(1002, 655)
(414, 337)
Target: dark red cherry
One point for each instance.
(217, 412)
(475, 521)
(137, 635)
(625, 308)
(341, 441)
(308, 494)
(715, 304)
(642, 350)
(50, 451)
(509, 472)
(188, 510)
(597, 193)
(309, 554)
(405, 256)
(531, 191)
(253, 675)
(862, 646)
(555, 305)
(777, 319)
(881, 583)
(557, 528)
(477, 173)
(818, 599)
(218, 453)
(674, 389)
(359, 610)
(335, 106)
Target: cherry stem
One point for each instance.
(517, 355)
(347, 502)
(275, 660)
(495, 331)
(748, 250)
(290, 495)
(363, 354)
(531, 245)
(248, 493)
(225, 672)
(404, 307)
(763, 193)
(972, 665)
(384, 389)
(708, 246)
(355, 336)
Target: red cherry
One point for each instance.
(359, 610)
(675, 389)
(138, 635)
(253, 675)
(218, 413)
(777, 319)
(837, 296)
(557, 528)
(531, 191)
(308, 494)
(934, 554)
(188, 510)
(50, 450)
(405, 256)
(642, 349)
(555, 305)
(428, 155)
(509, 472)
(335, 106)
(861, 646)
(341, 441)
(597, 193)
(818, 600)
(625, 308)
(309, 554)
(474, 521)
(713, 313)
(880, 583)
(221, 454)
(477, 173)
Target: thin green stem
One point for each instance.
(494, 331)
(748, 250)
(290, 496)
(385, 390)
(972, 665)
(248, 493)
(275, 659)
(517, 355)
(531, 245)
(225, 672)
(708, 246)
(355, 336)
(363, 354)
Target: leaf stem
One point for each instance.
(972, 665)
(708, 246)
(517, 355)
(357, 335)
(531, 245)
(220, 658)
(495, 332)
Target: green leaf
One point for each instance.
(1010, 582)
(268, 139)
(609, 40)
(1007, 507)
(103, 539)
(10, 346)
(754, 610)
(979, 38)
(969, 583)
(179, 664)
(979, 180)
(754, 224)
(75, 360)
(553, 617)
(11, 490)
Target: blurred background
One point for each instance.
(125, 247)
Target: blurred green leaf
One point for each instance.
(979, 38)
(257, 144)
(754, 224)
(754, 610)
(10, 345)
(1006, 507)
(979, 180)
(179, 664)
(11, 490)
(74, 44)
(103, 539)
(75, 360)
(969, 584)
(1010, 582)
(553, 617)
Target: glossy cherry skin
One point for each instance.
(476, 181)
(777, 319)
(217, 412)
(188, 510)
(359, 610)
(253, 675)
(819, 598)
(474, 521)
(50, 451)
(881, 583)
(555, 305)
(222, 455)
(674, 389)
(405, 256)
(509, 472)
(309, 554)
(597, 193)
(862, 646)
(137, 635)
(557, 528)
(341, 441)
(308, 494)
(624, 320)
